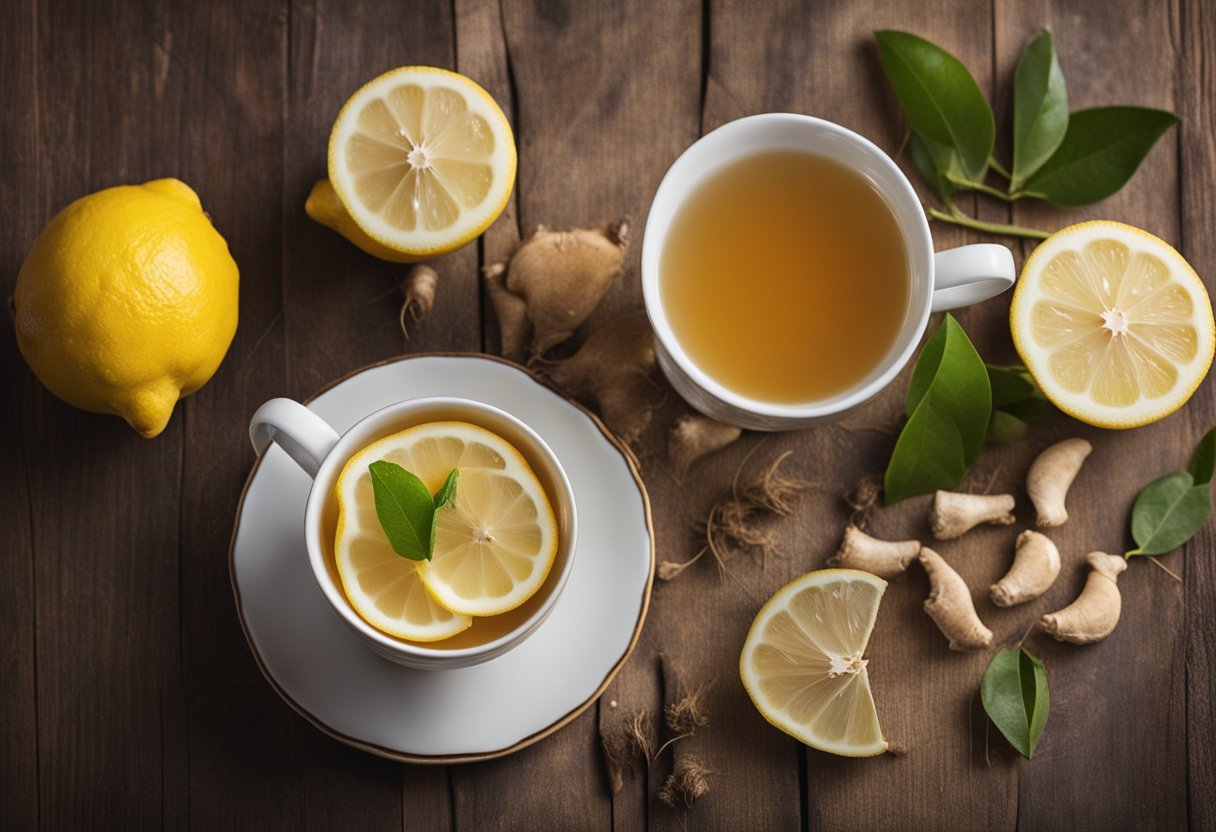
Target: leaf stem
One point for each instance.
(998, 167)
(982, 188)
(957, 217)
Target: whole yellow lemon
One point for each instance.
(127, 302)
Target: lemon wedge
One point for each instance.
(421, 161)
(494, 546)
(803, 661)
(1113, 323)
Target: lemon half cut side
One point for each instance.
(422, 160)
(803, 663)
(1113, 323)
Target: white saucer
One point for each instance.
(331, 678)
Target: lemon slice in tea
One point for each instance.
(494, 546)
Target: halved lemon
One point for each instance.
(494, 546)
(804, 665)
(1113, 323)
(421, 160)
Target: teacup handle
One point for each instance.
(305, 436)
(970, 274)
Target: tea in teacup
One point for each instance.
(493, 535)
(784, 276)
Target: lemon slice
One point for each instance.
(803, 664)
(422, 160)
(493, 548)
(1113, 323)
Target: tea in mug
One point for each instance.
(785, 277)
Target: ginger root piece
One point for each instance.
(511, 311)
(693, 436)
(1035, 567)
(956, 514)
(552, 283)
(419, 289)
(613, 367)
(1051, 475)
(1093, 616)
(949, 605)
(884, 558)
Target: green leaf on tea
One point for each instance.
(447, 492)
(1101, 150)
(1203, 461)
(949, 402)
(444, 498)
(404, 508)
(1016, 699)
(1040, 108)
(1168, 512)
(940, 98)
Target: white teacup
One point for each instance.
(947, 280)
(321, 452)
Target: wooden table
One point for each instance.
(129, 698)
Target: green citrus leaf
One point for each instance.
(1005, 428)
(925, 154)
(940, 98)
(447, 492)
(1101, 150)
(949, 402)
(1167, 513)
(1203, 461)
(1016, 699)
(444, 498)
(1040, 108)
(1010, 384)
(404, 508)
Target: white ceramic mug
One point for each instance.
(321, 452)
(946, 280)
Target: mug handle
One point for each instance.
(305, 436)
(970, 274)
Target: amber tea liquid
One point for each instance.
(784, 276)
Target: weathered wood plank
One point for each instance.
(18, 683)
(253, 763)
(332, 309)
(604, 99)
(103, 502)
(1114, 753)
(341, 303)
(481, 54)
(1197, 140)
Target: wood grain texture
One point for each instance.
(1196, 75)
(110, 701)
(128, 696)
(263, 766)
(18, 550)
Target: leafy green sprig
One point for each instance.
(1066, 159)
(406, 510)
